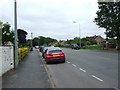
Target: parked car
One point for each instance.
(41, 48)
(54, 54)
(75, 46)
(44, 51)
(36, 47)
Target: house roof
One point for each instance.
(94, 37)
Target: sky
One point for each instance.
(53, 18)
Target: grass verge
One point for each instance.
(93, 47)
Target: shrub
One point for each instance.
(22, 52)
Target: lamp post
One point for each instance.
(15, 34)
(79, 32)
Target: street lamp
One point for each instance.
(79, 32)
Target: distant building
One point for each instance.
(9, 43)
(62, 42)
(98, 39)
(52, 43)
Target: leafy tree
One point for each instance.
(108, 17)
(22, 36)
(112, 41)
(37, 41)
(28, 42)
(7, 34)
(84, 41)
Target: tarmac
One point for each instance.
(31, 73)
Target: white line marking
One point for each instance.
(82, 69)
(68, 62)
(97, 78)
(74, 65)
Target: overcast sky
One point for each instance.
(53, 18)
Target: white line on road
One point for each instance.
(97, 78)
(68, 62)
(74, 65)
(82, 69)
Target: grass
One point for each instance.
(93, 47)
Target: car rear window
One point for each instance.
(54, 51)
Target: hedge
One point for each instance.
(22, 52)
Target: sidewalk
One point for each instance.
(29, 74)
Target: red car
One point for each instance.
(54, 54)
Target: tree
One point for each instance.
(88, 41)
(7, 34)
(21, 36)
(42, 40)
(36, 41)
(108, 17)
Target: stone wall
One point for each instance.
(6, 59)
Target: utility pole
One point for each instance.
(31, 42)
(0, 34)
(15, 34)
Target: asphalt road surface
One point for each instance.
(86, 69)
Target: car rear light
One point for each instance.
(62, 54)
(49, 54)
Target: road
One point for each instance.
(86, 69)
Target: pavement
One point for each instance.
(86, 69)
(31, 73)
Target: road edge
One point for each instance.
(48, 72)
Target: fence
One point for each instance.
(6, 59)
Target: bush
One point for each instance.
(22, 52)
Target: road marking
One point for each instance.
(97, 78)
(82, 69)
(74, 65)
(68, 62)
(41, 65)
(53, 85)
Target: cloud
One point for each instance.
(53, 17)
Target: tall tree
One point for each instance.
(22, 36)
(43, 40)
(7, 34)
(108, 17)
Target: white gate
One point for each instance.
(6, 59)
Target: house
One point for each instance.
(98, 39)
(62, 42)
(52, 43)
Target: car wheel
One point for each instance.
(47, 62)
(64, 61)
